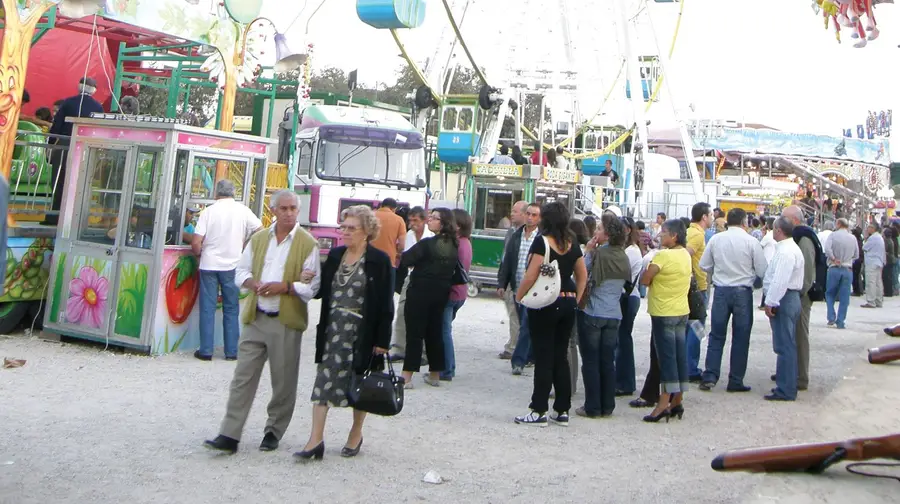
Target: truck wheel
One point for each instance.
(473, 289)
(10, 316)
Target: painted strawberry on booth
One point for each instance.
(182, 287)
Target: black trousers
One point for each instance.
(551, 328)
(650, 392)
(424, 317)
(857, 278)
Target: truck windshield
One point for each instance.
(370, 164)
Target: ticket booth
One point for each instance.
(122, 271)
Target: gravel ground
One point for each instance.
(83, 425)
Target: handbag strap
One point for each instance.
(388, 361)
(547, 249)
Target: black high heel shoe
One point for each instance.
(316, 453)
(677, 411)
(654, 419)
(351, 452)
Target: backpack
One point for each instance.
(817, 290)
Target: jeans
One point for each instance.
(671, 350)
(838, 287)
(449, 355)
(625, 372)
(728, 302)
(522, 354)
(693, 344)
(784, 325)
(551, 329)
(210, 282)
(597, 342)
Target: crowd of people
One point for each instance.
(606, 265)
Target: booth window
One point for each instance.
(144, 200)
(100, 213)
(207, 171)
(176, 219)
(492, 205)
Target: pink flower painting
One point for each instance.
(87, 298)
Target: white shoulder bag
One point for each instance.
(546, 288)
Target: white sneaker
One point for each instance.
(533, 418)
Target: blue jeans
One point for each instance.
(671, 351)
(522, 354)
(693, 344)
(784, 342)
(728, 302)
(210, 281)
(625, 380)
(449, 356)
(597, 342)
(837, 286)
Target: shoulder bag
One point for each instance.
(377, 392)
(546, 288)
(695, 302)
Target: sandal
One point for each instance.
(408, 385)
(640, 403)
(432, 382)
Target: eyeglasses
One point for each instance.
(347, 227)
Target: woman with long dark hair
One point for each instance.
(610, 269)
(630, 303)
(458, 293)
(669, 279)
(551, 326)
(434, 260)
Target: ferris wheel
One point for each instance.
(552, 49)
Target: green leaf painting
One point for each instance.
(131, 300)
(186, 267)
(58, 283)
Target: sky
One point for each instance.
(765, 61)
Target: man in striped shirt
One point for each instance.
(782, 286)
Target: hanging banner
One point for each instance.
(749, 140)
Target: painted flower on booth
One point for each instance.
(87, 298)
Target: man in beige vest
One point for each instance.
(280, 268)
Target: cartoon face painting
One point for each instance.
(10, 100)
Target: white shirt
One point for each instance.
(784, 273)
(823, 235)
(637, 264)
(735, 259)
(225, 226)
(768, 245)
(273, 269)
(411, 238)
(562, 163)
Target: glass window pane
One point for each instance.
(465, 119)
(178, 223)
(143, 204)
(449, 121)
(106, 169)
(233, 171)
(202, 178)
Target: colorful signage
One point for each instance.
(561, 175)
(496, 170)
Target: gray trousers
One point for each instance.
(264, 339)
(874, 286)
(510, 300)
(399, 322)
(802, 337)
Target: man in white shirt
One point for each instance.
(735, 259)
(782, 286)
(417, 231)
(222, 230)
(280, 268)
(561, 162)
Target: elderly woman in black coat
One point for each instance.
(354, 326)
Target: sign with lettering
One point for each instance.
(496, 170)
(558, 175)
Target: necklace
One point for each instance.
(347, 271)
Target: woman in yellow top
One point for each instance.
(669, 279)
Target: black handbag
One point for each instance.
(460, 275)
(696, 303)
(377, 392)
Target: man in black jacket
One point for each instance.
(512, 270)
(81, 105)
(517, 220)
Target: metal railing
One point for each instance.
(34, 174)
(639, 205)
